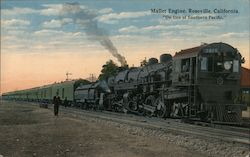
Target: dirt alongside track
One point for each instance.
(32, 131)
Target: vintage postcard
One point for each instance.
(125, 78)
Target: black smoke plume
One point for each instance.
(87, 19)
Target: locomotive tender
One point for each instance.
(197, 83)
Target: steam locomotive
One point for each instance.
(200, 83)
(197, 83)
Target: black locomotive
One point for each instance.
(197, 83)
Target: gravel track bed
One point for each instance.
(211, 147)
(204, 145)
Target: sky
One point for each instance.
(41, 40)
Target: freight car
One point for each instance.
(245, 91)
(245, 86)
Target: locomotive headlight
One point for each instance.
(227, 65)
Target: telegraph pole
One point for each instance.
(92, 77)
(67, 74)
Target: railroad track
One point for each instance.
(224, 133)
(220, 132)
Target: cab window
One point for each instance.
(204, 63)
(207, 64)
(235, 66)
(185, 65)
(177, 64)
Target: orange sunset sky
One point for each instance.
(39, 43)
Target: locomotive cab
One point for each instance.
(184, 67)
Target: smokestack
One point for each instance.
(87, 20)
